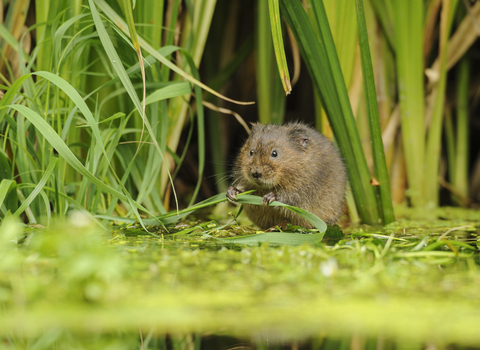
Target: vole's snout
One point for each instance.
(256, 174)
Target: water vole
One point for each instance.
(293, 164)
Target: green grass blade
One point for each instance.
(6, 35)
(200, 120)
(276, 238)
(200, 127)
(78, 101)
(38, 187)
(384, 11)
(122, 74)
(176, 215)
(434, 140)
(46, 203)
(169, 91)
(117, 19)
(60, 35)
(378, 154)
(170, 33)
(322, 63)
(10, 94)
(408, 30)
(263, 65)
(177, 107)
(15, 19)
(273, 7)
(462, 154)
(127, 10)
(311, 218)
(151, 12)
(43, 13)
(450, 148)
(340, 12)
(202, 16)
(5, 186)
(242, 198)
(52, 137)
(67, 89)
(270, 93)
(114, 58)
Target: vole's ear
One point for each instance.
(299, 134)
(256, 127)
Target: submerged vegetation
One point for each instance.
(119, 118)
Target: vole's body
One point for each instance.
(295, 165)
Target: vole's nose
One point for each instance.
(256, 174)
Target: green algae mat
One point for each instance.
(412, 284)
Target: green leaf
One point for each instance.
(378, 154)
(169, 91)
(434, 140)
(114, 17)
(52, 137)
(113, 117)
(127, 83)
(270, 93)
(5, 187)
(276, 238)
(38, 188)
(321, 59)
(460, 168)
(408, 30)
(177, 215)
(311, 218)
(273, 7)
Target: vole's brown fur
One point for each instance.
(307, 172)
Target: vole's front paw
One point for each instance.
(232, 193)
(269, 198)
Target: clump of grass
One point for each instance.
(109, 162)
(116, 84)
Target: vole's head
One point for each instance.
(273, 154)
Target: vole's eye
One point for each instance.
(274, 154)
(251, 152)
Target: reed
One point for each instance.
(98, 93)
(108, 162)
(271, 84)
(324, 67)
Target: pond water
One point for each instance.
(412, 284)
